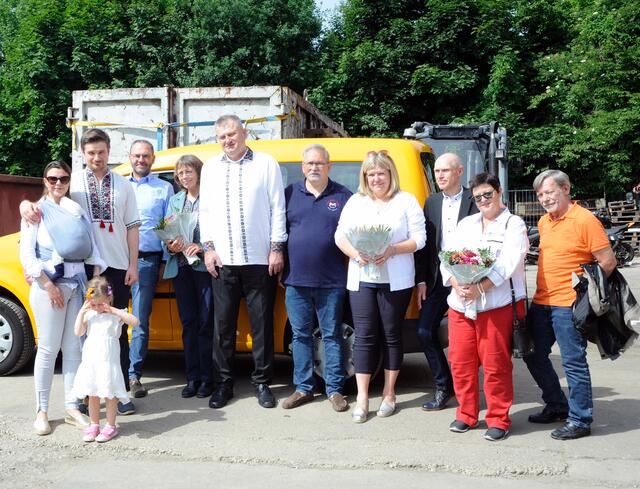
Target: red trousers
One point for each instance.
(484, 341)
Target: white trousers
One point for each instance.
(55, 333)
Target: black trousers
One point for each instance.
(378, 312)
(258, 288)
(121, 293)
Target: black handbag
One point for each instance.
(522, 342)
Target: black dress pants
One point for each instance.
(121, 293)
(258, 288)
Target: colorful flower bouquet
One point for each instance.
(370, 241)
(179, 224)
(468, 267)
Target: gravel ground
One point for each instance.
(171, 441)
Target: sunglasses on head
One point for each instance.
(486, 195)
(63, 180)
(375, 153)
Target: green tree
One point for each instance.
(48, 48)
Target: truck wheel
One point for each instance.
(16, 337)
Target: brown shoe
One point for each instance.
(338, 402)
(297, 399)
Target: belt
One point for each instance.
(147, 254)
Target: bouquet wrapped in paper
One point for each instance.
(180, 224)
(468, 267)
(370, 241)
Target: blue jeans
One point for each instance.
(142, 293)
(195, 306)
(431, 313)
(549, 324)
(304, 304)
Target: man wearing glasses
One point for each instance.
(442, 212)
(315, 276)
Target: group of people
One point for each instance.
(252, 233)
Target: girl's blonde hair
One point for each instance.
(379, 159)
(99, 288)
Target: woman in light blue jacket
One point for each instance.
(192, 284)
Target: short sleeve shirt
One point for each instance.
(565, 244)
(314, 260)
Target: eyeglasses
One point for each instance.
(486, 195)
(316, 163)
(375, 153)
(63, 180)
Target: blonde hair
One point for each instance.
(99, 288)
(379, 159)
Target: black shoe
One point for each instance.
(496, 434)
(190, 389)
(265, 396)
(548, 415)
(205, 390)
(458, 426)
(570, 432)
(439, 401)
(221, 396)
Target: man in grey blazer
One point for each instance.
(442, 212)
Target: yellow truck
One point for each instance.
(18, 331)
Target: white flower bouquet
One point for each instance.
(370, 241)
(468, 267)
(180, 224)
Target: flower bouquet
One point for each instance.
(179, 224)
(370, 241)
(468, 267)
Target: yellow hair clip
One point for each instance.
(89, 292)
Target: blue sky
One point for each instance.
(325, 4)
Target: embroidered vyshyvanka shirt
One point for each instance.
(111, 206)
(242, 207)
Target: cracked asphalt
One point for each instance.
(172, 441)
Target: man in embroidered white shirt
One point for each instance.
(110, 203)
(243, 231)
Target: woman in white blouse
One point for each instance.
(486, 340)
(56, 293)
(379, 295)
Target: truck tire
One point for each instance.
(16, 337)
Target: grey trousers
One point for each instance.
(55, 333)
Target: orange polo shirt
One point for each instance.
(565, 244)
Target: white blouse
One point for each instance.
(404, 216)
(509, 244)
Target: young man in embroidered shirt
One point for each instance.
(315, 277)
(152, 197)
(243, 231)
(110, 202)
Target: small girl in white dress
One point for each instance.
(99, 374)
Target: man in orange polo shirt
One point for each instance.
(569, 236)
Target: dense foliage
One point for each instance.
(562, 75)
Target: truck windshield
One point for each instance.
(471, 152)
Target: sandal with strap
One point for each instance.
(107, 433)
